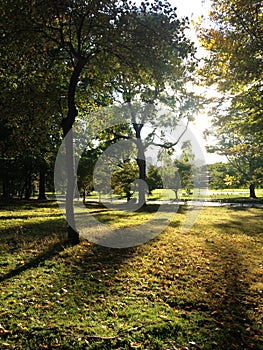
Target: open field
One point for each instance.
(202, 289)
(214, 195)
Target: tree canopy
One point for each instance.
(61, 58)
(235, 67)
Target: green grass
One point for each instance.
(201, 289)
(214, 195)
(223, 195)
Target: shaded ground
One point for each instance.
(196, 290)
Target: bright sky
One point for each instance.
(193, 9)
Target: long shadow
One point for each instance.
(48, 254)
(26, 231)
(241, 225)
(13, 204)
(25, 217)
(89, 269)
(97, 207)
(230, 292)
(21, 236)
(86, 269)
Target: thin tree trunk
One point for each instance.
(67, 123)
(141, 165)
(84, 195)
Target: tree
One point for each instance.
(30, 90)
(245, 156)
(234, 42)
(186, 166)
(100, 34)
(217, 173)
(163, 82)
(153, 178)
(170, 175)
(234, 65)
(91, 41)
(85, 171)
(29, 116)
(123, 178)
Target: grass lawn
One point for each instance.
(227, 195)
(202, 289)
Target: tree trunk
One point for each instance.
(67, 123)
(141, 165)
(142, 184)
(252, 193)
(84, 195)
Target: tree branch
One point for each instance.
(168, 145)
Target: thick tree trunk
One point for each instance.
(67, 123)
(252, 193)
(142, 184)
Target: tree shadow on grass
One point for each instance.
(232, 305)
(18, 204)
(31, 239)
(48, 254)
(248, 223)
(36, 243)
(46, 239)
(18, 235)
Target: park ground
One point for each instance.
(200, 289)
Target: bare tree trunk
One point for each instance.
(252, 193)
(67, 123)
(84, 195)
(142, 176)
(141, 165)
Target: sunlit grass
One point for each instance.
(201, 289)
(224, 194)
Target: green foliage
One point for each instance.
(186, 167)
(87, 52)
(178, 173)
(30, 90)
(220, 172)
(234, 66)
(153, 178)
(234, 41)
(123, 177)
(85, 171)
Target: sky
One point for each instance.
(191, 8)
(194, 9)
